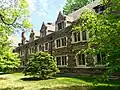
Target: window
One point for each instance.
(40, 48)
(76, 36)
(84, 35)
(31, 50)
(62, 42)
(58, 60)
(100, 58)
(99, 9)
(61, 60)
(58, 43)
(79, 36)
(64, 60)
(61, 25)
(22, 53)
(81, 59)
(46, 46)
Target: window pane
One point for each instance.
(98, 58)
(58, 60)
(84, 37)
(75, 37)
(78, 36)
(58, 43)
(59, 26)
(46, 46)
(64, 60)
(81, 59)
(64, 41)
(39, 47)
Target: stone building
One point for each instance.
(63, 43)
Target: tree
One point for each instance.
(72, 5)
(41, 65)
(104, 32)
(13, 16)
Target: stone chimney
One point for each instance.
(32, 36)
(23, 38)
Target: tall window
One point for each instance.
(58, 60)
(100, 58)
(39, 48)
(60, 25)
(84, 35)
(46, 46)
(62, 42)
(76, 36)
(81, 59)
(58, 43)
(61, 60)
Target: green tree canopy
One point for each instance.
(72, 5)
(104, 32)
(13, 16)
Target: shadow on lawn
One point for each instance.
(34, 79)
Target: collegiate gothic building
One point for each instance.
(63, 43)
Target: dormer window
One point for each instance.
(61, 25)
(99, 9)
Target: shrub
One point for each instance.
(41, 65)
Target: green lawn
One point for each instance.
(15, 82)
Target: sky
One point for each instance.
(44, 10)
(41, 11)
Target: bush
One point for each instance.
(41, 65)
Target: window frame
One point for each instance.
(77, 63)
(81, 37)
(62, 24)
(62, 60)
(61, 45)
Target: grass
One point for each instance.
(17, 81)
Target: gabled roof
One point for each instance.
(61, 16)
(48, 26)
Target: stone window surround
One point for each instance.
(60, 42)
(81, 40)
(82, 66)
(61, 60)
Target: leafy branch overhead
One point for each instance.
(12, 16)
(72, 5)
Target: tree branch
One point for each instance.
(1, 17)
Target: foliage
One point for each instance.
(13, 16)
(72, 5)
(41, 65)
(104, 32)
(9, 61)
